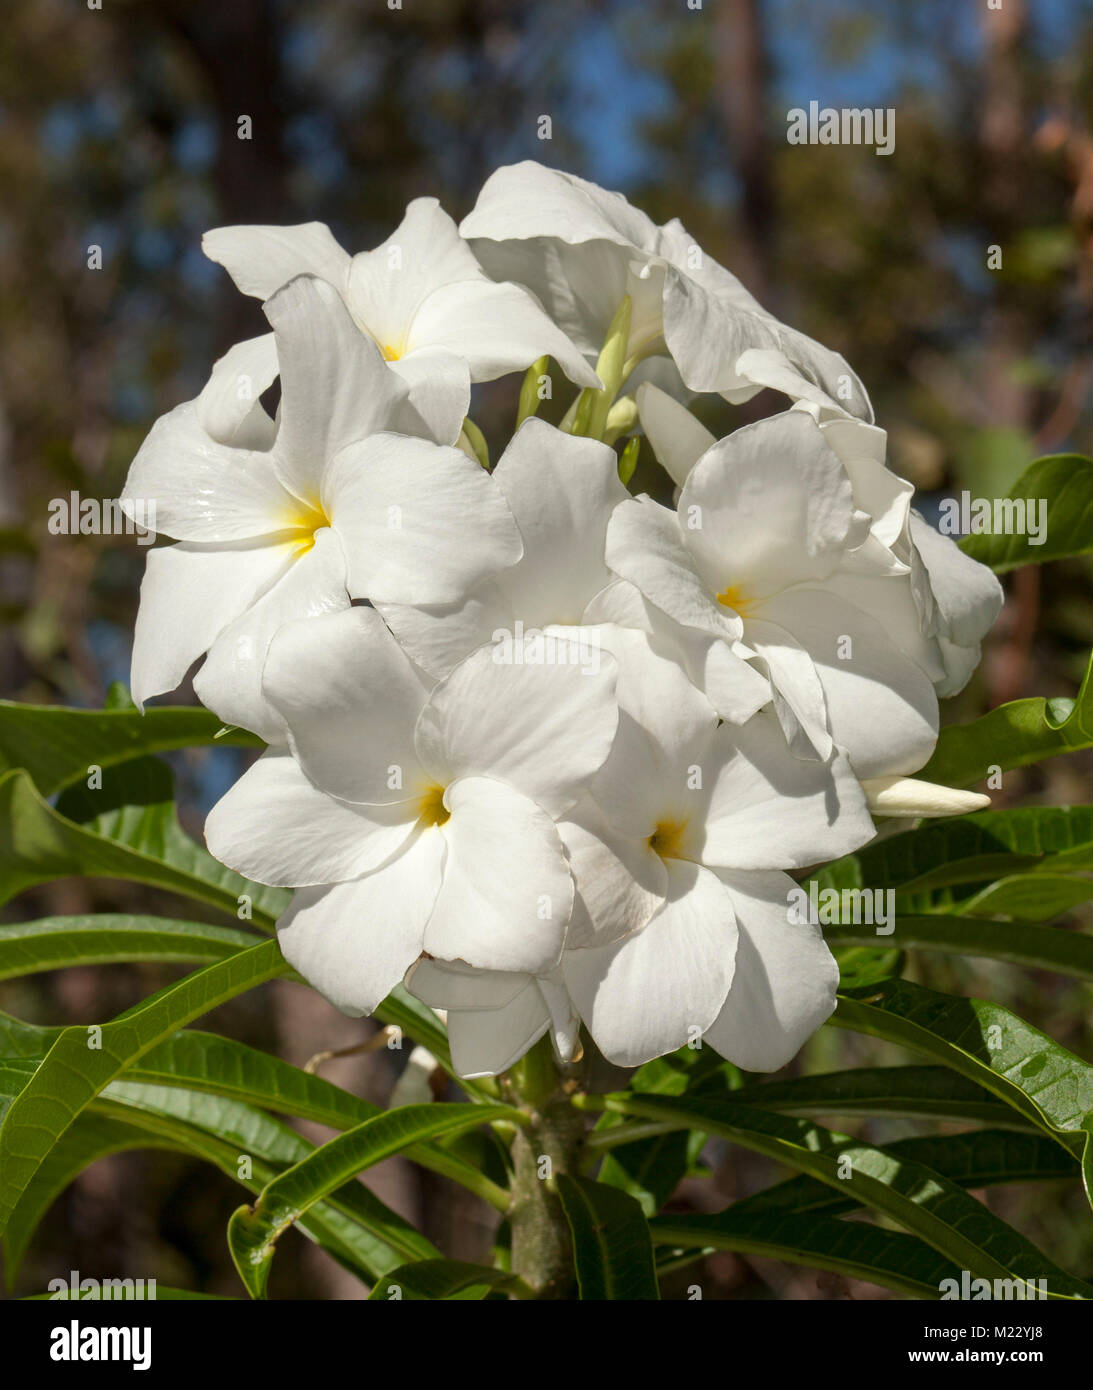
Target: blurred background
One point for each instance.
(119, 129)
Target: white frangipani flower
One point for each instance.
(581, 250)
(336, 507)
(957, 600)
(762, 550)
(708, 815)
(543, 752)
(423, 299)
(679, 441)
(413, 819)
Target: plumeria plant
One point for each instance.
(601, 804)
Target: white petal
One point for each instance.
(276, 827)
(620, 881)
(664, 727)
(351, 700)
(440, 395)
(861, 449)
(775, 507)
(388, 285)
(420, 523)
(769, 810)
(452, 985)
(562, 491)
(230, 681)
(205, 491)
(355, 941)
(646, 547)
(722, 671)
(507, 893)
(565, 1022)
(708, 326)
(581, 287)
(488, 1042)
(908, 796)
(785, 981)
(229, 408)
(496, 329)
(652, 992)
(771, 368)
(335, 385)
(543, 729)
(438, 636)
(968, 598)
(796, 689)
(189, 594)
(890, 599)
(881, 706)
(530, 200)
(262, 259)
(678, 439)
(734, 687)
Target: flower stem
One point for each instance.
(547, 1145)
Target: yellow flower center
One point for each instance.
(667, 839)
(305, 518)
(430, 806)
(392, 354)
(734, 597)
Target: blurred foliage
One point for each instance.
(118, 129)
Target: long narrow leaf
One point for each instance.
(612, 1248)
(253, 1231)
(54, 943)
(922, 1201)
(83, 1061)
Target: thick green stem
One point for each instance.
(547, 1145)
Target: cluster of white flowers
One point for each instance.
(539, 749)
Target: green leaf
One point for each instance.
(989, 1045)
(57, 745)
(612, 1249)
(1035, 947)
(980, 1158)
(931, 1093)
(1065, 483)
(864, 965)
(253, 1231)
(648, 1170)
(1028, 897)
(75, 1070)
(1013, 735)
(351, 1221)
(852, 1248)
(208, 1062)
(357, 1229)
(925, 1203)
(53, 943)
(970, 849)
(140, 840)
(437, 1280)
(91, 1137)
